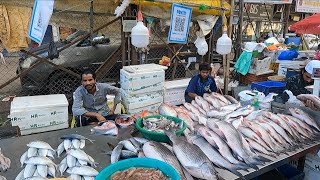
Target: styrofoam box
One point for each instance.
(174, 90)
(43, 113)
(284, 65)
(259, 66)
(141, 100)
(142, 82)
(152, 108)
(175, 102)
(144, 68)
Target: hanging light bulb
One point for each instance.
(224, 44)
(140, 33)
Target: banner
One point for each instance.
(308, 6)
(258, 11)
(269, 1)
(41, 14)
(179, 25)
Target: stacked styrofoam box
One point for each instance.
(142, 87)
(259, 67)
(174, 91)
(34, 114)
(285, 64)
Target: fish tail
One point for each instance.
(261, 158)
(253, 163)
(234, 171)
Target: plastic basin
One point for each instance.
(158, 136)
(165, 168)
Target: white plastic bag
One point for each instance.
(202, 46)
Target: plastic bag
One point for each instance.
(288, 55)
(202, 46)
(53, 50)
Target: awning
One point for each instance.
(309, 25)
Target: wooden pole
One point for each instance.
(91, 22)
(286, 19)
(239, 38)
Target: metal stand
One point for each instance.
(316, 86)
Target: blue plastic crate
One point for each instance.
(269, 87)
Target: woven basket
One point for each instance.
(277, 78)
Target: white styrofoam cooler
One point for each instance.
(35, 114)
(174, 91)
(141, 100)
(284, 65)
(151, 108)
(142, 78)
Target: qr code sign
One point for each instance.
(179, 25)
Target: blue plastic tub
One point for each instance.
(165, 168)
(269, 87)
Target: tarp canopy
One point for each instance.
(309, 25)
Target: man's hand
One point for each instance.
(100, 117)
(310, 104)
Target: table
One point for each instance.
(13, 148)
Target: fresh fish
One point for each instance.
(115, 155)
(280, 131)
(272, 132)
(218, 143)
(234, 141)
(166, 109)
(67, 144)
(88, 177)
(295, 125)
(127, 154)
(81, 163)
(311, 97)
(158, 151)
(218, 114)
(179, 109)
(160, 124)
(42, 170)
(186, 174)
(141, 140)
(71, 161)
(60, 149)
(51, 154)
(141, 154)
(81, 155)
(75, 136)
(75, 176)
(191, 108)
(124, 120)
(231, 99)
(258, 147)
(302, 124)
(244, 111)
(63, 166)
(29, 170)
(300, 114)
(83, 171)
(82, 143)
(252, 116)
(183, 116)
(40, 145)
(135, 143)
(220, 97)
(39, 160)
(192, 158)
(23, 158)
(32, 151)
(216, 104)
(129, 146)
(202, 119)
(216, 157)
(42, 152)
(106, 128)
(230, 107)
(20, 175)
(275, 118)
(202, 103)
(195, 104)
(76, 143)
(192, 116)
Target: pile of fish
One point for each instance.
(38, 161)
(4, 162)
(310, 97)
(160, 124)
(230, 136)
(124, 120)
(77, 163)
(105, 128)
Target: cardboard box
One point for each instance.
(260, 66)
(43, 113)
(142, 82)
(141, 100)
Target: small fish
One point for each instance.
(42, 170)
(76, 136)
(32, 151)
(40, 145)
(83, 171)
(29, 170)
(60, 149)
(116, 152)
(63, 166)
(67, 144)
(39, 160)
(23, 158)
(76, 143)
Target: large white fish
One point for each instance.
(300, 114)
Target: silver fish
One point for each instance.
(83, 171)
(158, 151)
(60, 149)
(215, 156)
(192, 158)
(244, 111)
(196, 105)
(71, 161)
(300, 114)
(247, 132)
(81, 155)
(75, 136)
(218, 114)
(76, 143)
(42, 152)
(302, 124)
(82, 143)
(32, 151)
(128, 145)
(166, 109)
(115, 155)
(295, 125)
(29, 170)
(202, 103)
(216, 104)
(183, 116)
(40, 160)
(40, 145)
(63, 166)
(258, 147)
(20, 175)
(42, 170)
(311, 97)
(191, 108)
(23, 158)
(67, 143)
(141, 140)
(75, 177)
(230, 107)
(231, 99)
(220, 97)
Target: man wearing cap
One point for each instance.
(297, 84)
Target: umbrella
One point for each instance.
(309, 25)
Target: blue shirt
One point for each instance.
(198, 87)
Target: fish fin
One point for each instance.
(261, 158)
